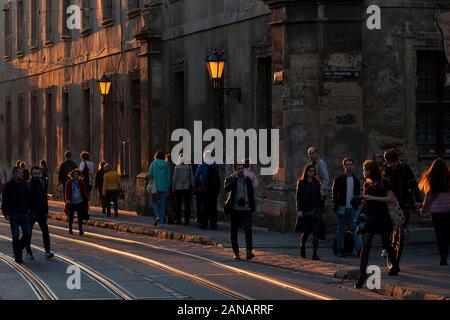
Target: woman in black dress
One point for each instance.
(309, 215)
(376, 197)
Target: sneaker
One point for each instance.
(30, 256)
(250, 255)
(49, 255)
(156, 221)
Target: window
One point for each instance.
(34, 26)
(20, 28)
(135, 97)
(87, 117)
(65, 16)
(34, 127)
(8, 128)
(133, 8)
(107, 13)
(433, 105)
(48, 22)
(86, 25)
(20, 124)
(66, 119)
(8, 35)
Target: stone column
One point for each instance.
(309, 39)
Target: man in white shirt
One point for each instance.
(87, 170)
(322, 173)
(345, 187)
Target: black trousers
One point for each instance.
(207, 210)
(42, 221)
(441, 224)
(79, 208)
(183, 196)
(112, 196)
(244, 219)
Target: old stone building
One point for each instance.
(312, 69)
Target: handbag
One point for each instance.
(151, 186)
(396, 214)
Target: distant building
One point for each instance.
(314, 71)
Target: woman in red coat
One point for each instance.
(76, 200)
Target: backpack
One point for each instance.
(212, 183)
(85, 173)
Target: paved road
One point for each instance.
(117, 265)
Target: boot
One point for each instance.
(302, 251)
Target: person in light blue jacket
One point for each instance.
(159, 174)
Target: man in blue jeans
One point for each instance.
(345, 187)
(16, 208)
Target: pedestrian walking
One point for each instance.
(240, 206)
(87, 172)
(374, 218)
(65, 169)
(16, 209)
(182, 186)
(249, 173)
(171, 205)
(403, 183)
(99, 184)
(26, 173)
(345, 187)
(207, 185)
(39, 211)
(309, 214)
(111, 190)
(159, 178)
(435, 183)
(44, 169)
(76, 199)
(322, 174)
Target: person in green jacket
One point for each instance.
(159, 174)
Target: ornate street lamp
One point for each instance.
(104, 85)
(216, 65)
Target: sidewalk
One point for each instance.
(421, 277)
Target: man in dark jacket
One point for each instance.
(16, 208)
(345, 187)
(39, 212)
(64, 170)
(240, 205)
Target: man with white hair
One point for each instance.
(207, 187)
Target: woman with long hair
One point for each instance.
(309, 215)
(76, 200)
(435, 183)
(377, 195)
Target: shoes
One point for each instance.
(394, 271)
(108, 215)
(81, 232)
(70, 231)
(250, 255)
(302, 252)
(186, 223)
(359, 284)
(156, 221)
(30, 256)
(19, 261)
(116, 215)
(315, 257)
(443, 261)
(236, 257)
(49, 255)
(384, 254)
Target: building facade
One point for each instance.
(312, 69)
